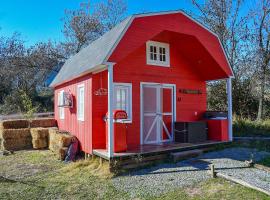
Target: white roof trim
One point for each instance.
(118, 40)
(94, 70)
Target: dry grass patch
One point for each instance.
(93, 167)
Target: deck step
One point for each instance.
(176, 156)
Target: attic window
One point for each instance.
(158, 53)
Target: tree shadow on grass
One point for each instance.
(8, 180)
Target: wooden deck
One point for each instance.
(156, 149)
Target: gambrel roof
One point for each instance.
(97, 53)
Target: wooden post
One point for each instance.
(229, 97)
(212, 169)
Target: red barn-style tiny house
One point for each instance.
(154, 67)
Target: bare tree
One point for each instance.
(23, 70)
(225, 19)
(262, 36)
(111, 13)
(89, 22)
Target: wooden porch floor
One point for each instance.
(156, 148)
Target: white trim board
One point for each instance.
(129, 98)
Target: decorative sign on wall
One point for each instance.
(101, 92)
(190, 91)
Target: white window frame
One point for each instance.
(80, 116)
(60, 104)
(127, 86)
(158, 62)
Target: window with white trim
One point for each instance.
(158, 53)
(123, 98)
(60, 104)
(80, 102)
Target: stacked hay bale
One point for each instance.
(36, 133)
(39, 137)
(59, 142)
(15, 135)
(19, 134)
(40, 131)
(44, 122)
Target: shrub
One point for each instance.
(247, 127)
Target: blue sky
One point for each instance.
(39, 20)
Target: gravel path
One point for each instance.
(165, 177)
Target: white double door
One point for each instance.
(157, 113)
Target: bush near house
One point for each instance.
(247, 127)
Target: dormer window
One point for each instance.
(158, 53)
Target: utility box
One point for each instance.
(119, 129)
(190, 132)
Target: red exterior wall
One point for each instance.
(133, 69)
(81, 129)
(91, 131)
(195, 56)
(100, 108)
(197, 44)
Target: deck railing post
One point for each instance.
(229, 98)
(110, 110)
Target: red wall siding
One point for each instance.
(195, 56)
(133, 69)
(147, 28)
(100, 108)
(81, 129)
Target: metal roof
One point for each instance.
(91, 56)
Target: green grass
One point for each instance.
(246, 127)
(39, 175)
(261, 145)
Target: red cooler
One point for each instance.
(120, 131)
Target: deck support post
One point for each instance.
(229, 98)
(110, 110)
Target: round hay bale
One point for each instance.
(14, 124)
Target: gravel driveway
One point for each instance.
(165, 177)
